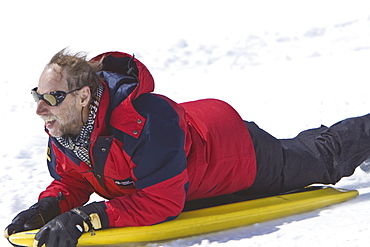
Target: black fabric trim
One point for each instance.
(119, 65)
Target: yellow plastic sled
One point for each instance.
(211, 219)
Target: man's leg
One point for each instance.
(270, 160)
(322, 155)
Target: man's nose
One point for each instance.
(42, 108)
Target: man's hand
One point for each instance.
(24, 221)
(34, 217)
(65, 230)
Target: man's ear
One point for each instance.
(85, 96)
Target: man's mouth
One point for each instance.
(49, 123)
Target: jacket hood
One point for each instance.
(121, 114)
(125, 64)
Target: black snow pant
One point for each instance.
(322, 155)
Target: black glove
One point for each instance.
(34, 217)
(65, 230)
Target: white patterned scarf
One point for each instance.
(80, 144)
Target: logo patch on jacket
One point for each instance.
(125, 184)
(48, 154)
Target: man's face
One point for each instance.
(64, 119)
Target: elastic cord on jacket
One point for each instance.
(130, 72)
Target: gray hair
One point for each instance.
(79, 71)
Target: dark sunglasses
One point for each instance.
(53, 98)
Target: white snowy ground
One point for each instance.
(287, 65)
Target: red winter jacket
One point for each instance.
(149, 154)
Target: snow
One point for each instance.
(287, 65)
